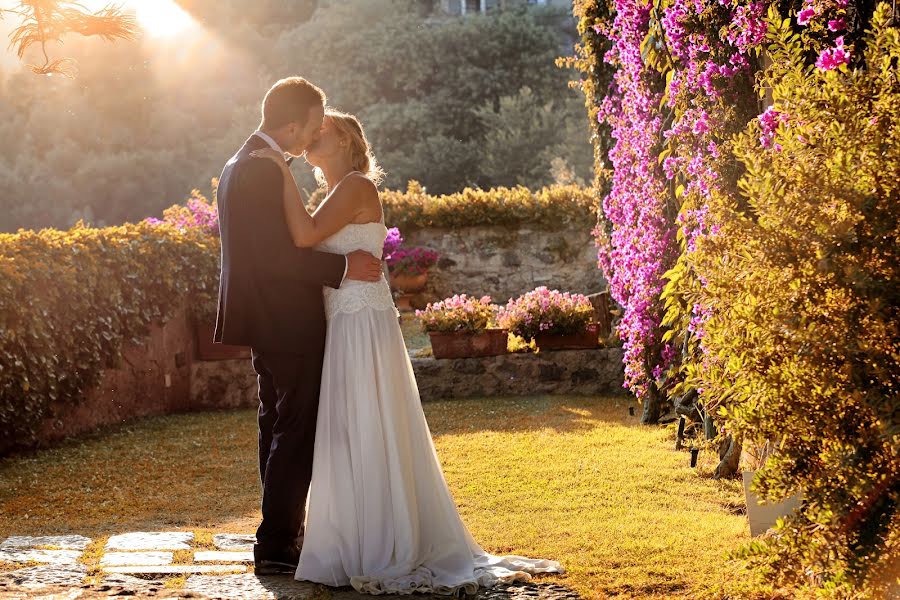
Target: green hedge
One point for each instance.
(554, 207)
(69, 299)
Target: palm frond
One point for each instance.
(50, 20)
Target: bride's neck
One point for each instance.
(335, 172)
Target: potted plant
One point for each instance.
(554, 320)
(461, 327)
(198, 213)
(762, 515)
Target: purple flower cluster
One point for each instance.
(709, 50)
(412, 261)
(834, 13)
(459, 313)
(834, 58)
(197, 213)
(768, 125)
(546, 311)
(392, 242)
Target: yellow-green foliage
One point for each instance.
(552, 207)
(68, 299)
(803, 346)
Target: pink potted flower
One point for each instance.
(463, 326)
(409, 268)
(555, 320)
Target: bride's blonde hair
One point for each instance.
(361, 156)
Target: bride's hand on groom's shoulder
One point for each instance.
(271, 154)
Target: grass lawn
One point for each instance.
(574, 479)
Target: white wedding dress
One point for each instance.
(380, 516)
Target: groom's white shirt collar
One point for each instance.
(268, 139)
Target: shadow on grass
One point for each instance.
(562, 414)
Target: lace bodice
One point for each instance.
(353, 296)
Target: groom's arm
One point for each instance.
(262, 212)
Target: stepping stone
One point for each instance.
(124, 559)
(175, 569)
(231, 541)
(54, 557)
(223, 557)
(62, 542)
(140, 540)
(133, 583)
(240, 587)
(37, 577)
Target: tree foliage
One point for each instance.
(144, 123)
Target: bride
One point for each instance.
(380, 515)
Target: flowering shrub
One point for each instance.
(412, 261)
(197, 213)
(800, 344)
(546, 311)
(391, 243)
(459, 313)
(774, 212)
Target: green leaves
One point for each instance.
(71, 298)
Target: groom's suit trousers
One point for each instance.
(288, 407)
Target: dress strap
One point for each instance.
(343, 178)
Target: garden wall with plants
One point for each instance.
(97, 325)
(747, 157)
(81, 341)
(501, 242)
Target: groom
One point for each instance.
(270, 298)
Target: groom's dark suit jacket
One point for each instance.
(270, 292)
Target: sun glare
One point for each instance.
(160, 17)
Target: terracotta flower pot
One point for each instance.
(461, 344)
(207, 350)
(408, 284)
(577, 341)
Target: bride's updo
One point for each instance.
(361, 156)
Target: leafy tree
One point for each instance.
(143, 123)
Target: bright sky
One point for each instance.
(158, 18)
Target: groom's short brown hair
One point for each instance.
(289, 101)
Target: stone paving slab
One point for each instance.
(37, 577)
(62, 542)
(231, 541)
(223, 557)
(123, 559)
(143, 540)
(172, 570)
(249, 586)
(54, 557)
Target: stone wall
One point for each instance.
(153, 377)
(504, 262)
(576, 372)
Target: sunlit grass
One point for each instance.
(572, 479)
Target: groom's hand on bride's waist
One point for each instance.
(362, 266)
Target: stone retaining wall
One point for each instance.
(505, 262)
(232, 383)
(576, 372)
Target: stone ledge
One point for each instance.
(232, 383)
(576, 372)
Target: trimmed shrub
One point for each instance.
(553, 207)
(69, 299)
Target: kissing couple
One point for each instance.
(353, 492)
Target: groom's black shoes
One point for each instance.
(275, 561)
